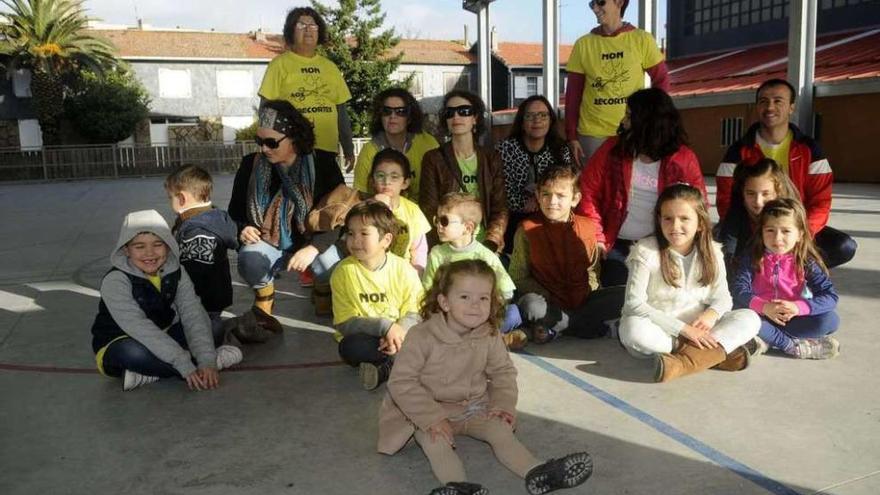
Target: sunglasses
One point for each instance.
(600, 3)
(399, 111)
(270, 143)
(462, 111)
(444, 221)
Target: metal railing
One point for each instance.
(119, 160)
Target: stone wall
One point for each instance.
(9, 137)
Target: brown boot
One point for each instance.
(264, 299)
(687, 360)
(246, 330)
(322, 299)
(737, 360)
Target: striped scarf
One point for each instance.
(274, 213)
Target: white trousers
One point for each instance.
(643, 338)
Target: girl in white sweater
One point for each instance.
(678, 307)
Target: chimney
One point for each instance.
(493, 37)
(259, 35)
(466, 42)
(140, 24)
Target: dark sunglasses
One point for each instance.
(444, 221)
(462, 111)
(399, 111)
(270, 143)
(600, 3)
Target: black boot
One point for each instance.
(555, 474)
(460, 488)
(375, 374)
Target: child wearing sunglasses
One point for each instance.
(461, 165)
(457, 218)
(396, 124)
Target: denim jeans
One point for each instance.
(259, 263)
(614, 270)
(799, 327)
(129, 354)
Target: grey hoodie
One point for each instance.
(117, 295)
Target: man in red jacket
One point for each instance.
(774, 136)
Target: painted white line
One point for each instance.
(845, 482)
(18, 304)
(68, 286)
(291, 294)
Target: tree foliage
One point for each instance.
(362, 51)
(49, 38)
(107, 109)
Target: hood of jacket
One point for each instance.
(136, 223)
(440, 329)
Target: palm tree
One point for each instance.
(48, 37)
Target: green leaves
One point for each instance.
(106, 109)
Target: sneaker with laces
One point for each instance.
(374, 374)
(132, 380)
(823, 348)
(228, 356)
(555, 474)
(515, 340)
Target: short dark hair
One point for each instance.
(293, 17)
(623, 7)
(414, 110)
(191, 179)
(559, 173)
(655, 127)
(375, 213)
(776, 82)
(393, 156)
(474, 100)
(300, 130)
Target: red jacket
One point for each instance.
(605, 185)
(808, 169)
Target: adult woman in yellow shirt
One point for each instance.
(397, 124)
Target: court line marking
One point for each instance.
(662, 427)
(245, 367)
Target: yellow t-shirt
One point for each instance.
(314, 86)
(421, 144)
(778, 152)
(614, 68)
(390, 292)
(411, 225)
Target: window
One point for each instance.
(235, 84)
(456, 80)
(174, 83)
(710, 16)
(731, 130)
(415, 85)
(525, 86)
(21, 83)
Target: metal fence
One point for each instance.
(118, 160)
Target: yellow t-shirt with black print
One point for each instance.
(613, 68)
(411, 225)
(314, 86)
(421, 144)
(390, 292)
(778, 152)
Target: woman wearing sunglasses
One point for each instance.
(462, 165)
(396, 124)
(605, 67)
(533, 146)
(273, 193)
(313, 84)
(621, 184)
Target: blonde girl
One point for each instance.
(677, 306)
(454, 377)
(786, 282)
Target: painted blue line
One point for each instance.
(670, 431)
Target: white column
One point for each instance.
(551, 52)
(648, 22)
(802, 59)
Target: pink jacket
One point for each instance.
(778, 280)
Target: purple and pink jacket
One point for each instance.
(779, 280)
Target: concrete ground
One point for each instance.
(293, 420)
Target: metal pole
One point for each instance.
(484, 50)
(648, 23)
(551, 52)
(802, 59)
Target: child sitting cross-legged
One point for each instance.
(458, 217)
(454, 376)
(150, 323)
(555, 265)
(375, 294)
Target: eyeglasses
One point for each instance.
(445, 221)
(399, 111)
(462, 111)
(600, 3)
(302, 26)
(383, 178)
(537, 116)
(270, 143)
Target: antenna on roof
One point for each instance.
(137, 16)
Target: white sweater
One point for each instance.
(671, 308)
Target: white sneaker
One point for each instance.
(228, 356)
(132, 380)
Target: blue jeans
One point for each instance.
(614, 270)
(259, 263)
(129, 354)
(799, 327)
(325, 262)
(361, 348)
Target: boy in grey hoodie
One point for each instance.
(150, 323)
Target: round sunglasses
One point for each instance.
(270, 143)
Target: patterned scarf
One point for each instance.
(293, 201)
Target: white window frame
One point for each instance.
(177, 83)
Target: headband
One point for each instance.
(271, 119)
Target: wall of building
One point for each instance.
(703, 126)
(434, 81)
(848, 131)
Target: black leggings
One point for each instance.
(836, 247)
(361, 348)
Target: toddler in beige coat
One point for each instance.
(454, 376)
